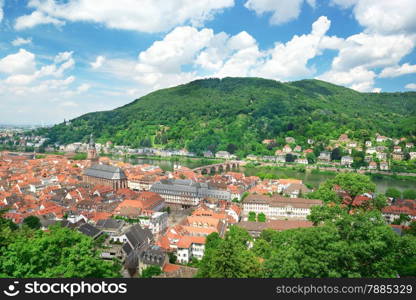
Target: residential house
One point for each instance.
(296, 190)
(324, 156)
(380, 138)
(208, 154)
(352, 144)
(371, 150)
(381, 156)
(302, 161)
(289, 140)
(397, 156)
(287, 149)
(343, 138)
(251, 157)
(224, 155)
(397, 149)
(346, 161)
(372, 165)
(189, 247)
(268, 142)
(384, 166)
(112, 227)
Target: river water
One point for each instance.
(382, 184)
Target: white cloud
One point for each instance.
(141, 15)
(411, 86)
(163, 60)
(396, 71)
(21, 41)
(203, 53)
(289, 60)
(47, 82)
(373, 51)
(98, 62)
(63, 56)
(83, 88)
(383, 16)
(34, 19)
(22, 62)
(358, 78)
(282, 11)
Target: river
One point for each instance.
(382, 184)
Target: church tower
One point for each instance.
(92, 151)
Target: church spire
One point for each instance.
(92, 151)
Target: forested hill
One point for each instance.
(238, 113)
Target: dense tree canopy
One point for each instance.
(236, 114)
(352, 183)
(343, 242)
(341, 245)
(33, 222)
(393, 193)
(59, 252)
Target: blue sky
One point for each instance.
(61, 59)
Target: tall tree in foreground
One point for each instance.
(60, 252)
(230, 258)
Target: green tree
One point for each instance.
(311, 157)
(231, 258)
(393, 193)
(336, 154)
(151, 271)
(33, 222)
(261, 217)
(252, 216)
(409, 194)
(352, 183)
(379, 202)
(401, 220)
(60, 252)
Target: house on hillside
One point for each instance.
(324, 156)
(346, 161)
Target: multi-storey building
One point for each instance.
(278, 207)
(187, 192)
(105, 175)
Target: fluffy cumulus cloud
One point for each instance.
(289, 60)
(389, 36)
(383, 16)
(357, 78)
(187, 53)
(21, 71)
(141, 15)
(22, 62)
(34, 19)
(282, 11)
(23, 78)
(373, 50)
(396, 71)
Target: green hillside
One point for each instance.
(236, 114)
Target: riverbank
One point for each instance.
(314, 177)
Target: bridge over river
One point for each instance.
(225, 166)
